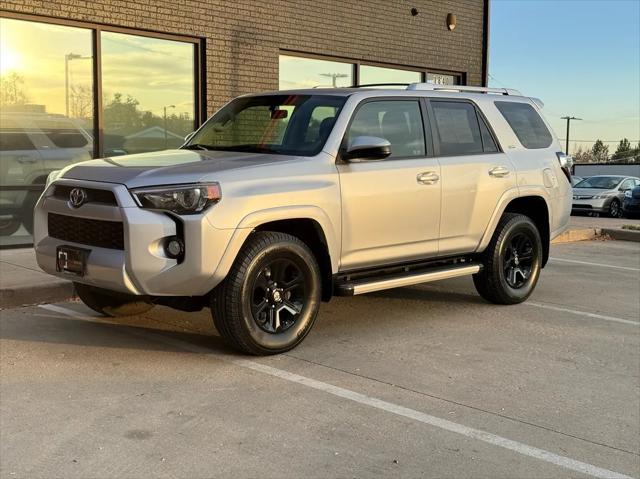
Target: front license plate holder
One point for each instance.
(71, 260)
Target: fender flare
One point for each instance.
(507, 197)
(253, 220)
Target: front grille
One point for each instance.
(99, 233)
(94, 195)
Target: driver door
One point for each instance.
(390, 207)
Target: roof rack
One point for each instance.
(473, 89)
(366, 85)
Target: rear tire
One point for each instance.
(512, 261)
(269, 301)
(111, 303)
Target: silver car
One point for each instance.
(283, 199)
(602, 194)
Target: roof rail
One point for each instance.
(473, 89)
(367, 85)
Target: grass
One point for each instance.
(631, 227)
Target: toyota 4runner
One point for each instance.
(282, 200)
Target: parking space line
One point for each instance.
(588, 263)
(444, 424)
(583, 313)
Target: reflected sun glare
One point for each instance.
(9, 59)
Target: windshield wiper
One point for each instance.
(197, 146)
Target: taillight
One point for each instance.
(566, 163)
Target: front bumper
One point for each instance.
(586, 205)
(142, 267)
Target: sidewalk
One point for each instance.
(23, 283)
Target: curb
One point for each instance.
(584, 234)
(622, 235)
(30, 295)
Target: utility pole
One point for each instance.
(568, 118)
(67, 58)
(164, 116)
(334, 77)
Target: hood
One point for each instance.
(592, 191)
(166, 167)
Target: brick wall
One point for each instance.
(243, 37)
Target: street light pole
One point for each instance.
(67, 58)
(568, 118)
(165, 123)
(334, 77)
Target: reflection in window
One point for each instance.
(372, 75)
(46, 114)
(296, 72)
(148, 93)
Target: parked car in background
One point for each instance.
(575, 180)
(631, 203)
(32, 145)
(602, 194)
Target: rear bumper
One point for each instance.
(142, 267)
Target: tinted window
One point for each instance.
(627, 184)
(279, 124)
(15, 141)
(399, 122)
(526, 124)
(488, 143)
(601, 182)
(457, 128)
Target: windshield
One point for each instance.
(600, 182)
(279, 124)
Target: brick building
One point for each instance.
(87, 78)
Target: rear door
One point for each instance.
(475, 173)
(390, 207)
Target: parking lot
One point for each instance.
(425, 381)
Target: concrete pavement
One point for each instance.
(160, 396)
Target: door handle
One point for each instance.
(427, 178)
(499, 171)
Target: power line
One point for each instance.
(593, 141)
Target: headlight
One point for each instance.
(627, 194)
(180, 199)
(603, 196)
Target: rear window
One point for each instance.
(526, 124)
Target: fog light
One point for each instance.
(174, 248)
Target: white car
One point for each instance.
(602, 194)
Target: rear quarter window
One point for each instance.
(526, 123)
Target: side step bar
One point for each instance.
(361, 286)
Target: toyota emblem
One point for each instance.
(77, 197)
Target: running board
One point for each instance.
(362, 286)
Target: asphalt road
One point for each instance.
(426, 381)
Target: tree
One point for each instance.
(122, 114)
(623, 150)
(583, 156)
(600, 152)
(81, 101)
(12, 90)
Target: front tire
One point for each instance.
(512, 261)
(269, 301)
(111, 303)
(615, 209)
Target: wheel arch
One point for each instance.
(536, 208)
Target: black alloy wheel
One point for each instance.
(518, 260)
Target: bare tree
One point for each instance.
(81, 101)
(12, 90)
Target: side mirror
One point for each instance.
(367, 148)
(189, 136)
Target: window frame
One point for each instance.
(428, 143)
(479, 116)
(199, 63)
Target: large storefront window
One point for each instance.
(48, 105)
(298, 72)
(147, 89)
(372, 75)
(46, 114)
(311, 72)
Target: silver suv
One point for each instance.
(282, 200)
